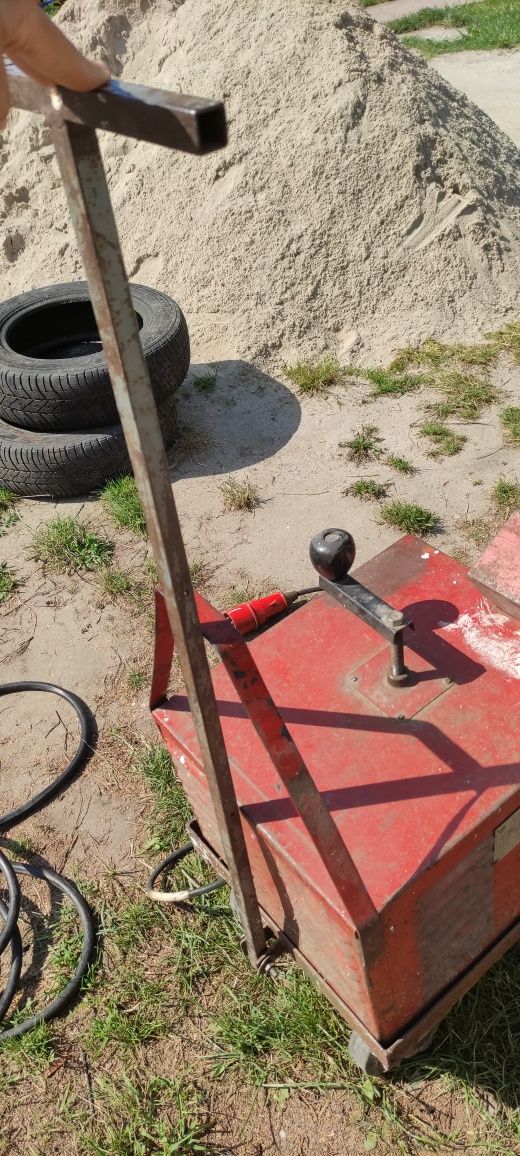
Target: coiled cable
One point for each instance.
(10, 936)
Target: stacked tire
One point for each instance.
(59, 429)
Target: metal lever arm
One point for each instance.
(332, 553)
(281, 748)
(187, 123)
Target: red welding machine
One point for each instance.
(373, 741)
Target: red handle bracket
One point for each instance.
(273, 733)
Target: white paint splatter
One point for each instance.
(482, 632)
(182, 760)
(425, 555)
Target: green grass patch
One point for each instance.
(7, 582)
(8, 513)
(7, 500)
(505, 496)
(434, 354)
(368, 490)
(445, 443)
(489, 24)
(206, 382)
(239, 495)
(136, 679)
(364, 446)
(121, 499)
(66, 545)
(402, 465)
(33, 1051)
(135, 924)
(146, 1115)
(315, 379)
(386, 383)
(115, 582)
(171, 807)
(201, 571)
(464, 395)
(410, 518)
(268, 1030)
(508, 339)
(135, 1015)
(510, 418)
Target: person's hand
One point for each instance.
(34, 43)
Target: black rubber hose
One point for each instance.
(10, 934)
(84, 749)
(57, 1005)
(16, 963)
(178, 896)
(13, 895)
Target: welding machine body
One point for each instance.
(421, 778)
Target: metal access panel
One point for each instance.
(422, 782)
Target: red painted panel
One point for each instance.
(412, 798)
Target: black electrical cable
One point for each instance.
(13, 895)
(9, 912)
(16, 964)
(60, 1002)
(178, 896)
(79, 758)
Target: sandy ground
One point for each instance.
(64, 629)
(491, 80)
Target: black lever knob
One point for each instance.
(332, 554)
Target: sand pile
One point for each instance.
(361, 203)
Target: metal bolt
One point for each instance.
(353, 678)
(396, 616)
(401, 717)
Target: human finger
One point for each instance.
(39, 47)
(4, 95)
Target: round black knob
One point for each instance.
(332, 554)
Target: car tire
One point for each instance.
(66, 465)
(53, 373)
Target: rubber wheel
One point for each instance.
(53, 373)
(64, 465)
(363, 1058)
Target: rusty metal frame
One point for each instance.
(197, 126)
(239, 662)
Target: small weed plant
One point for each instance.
(66, 545)
(239, 495)
(363, 446)
(445, 442)
(410, 518)
(315, 379)
(368, 490)
(121, 499)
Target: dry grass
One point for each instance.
(239, 495)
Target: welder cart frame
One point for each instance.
(198, 126)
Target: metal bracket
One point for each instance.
(192, 125)
(387, 621)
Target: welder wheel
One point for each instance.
(363, 1058)
(53, 373)
(64, 465)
